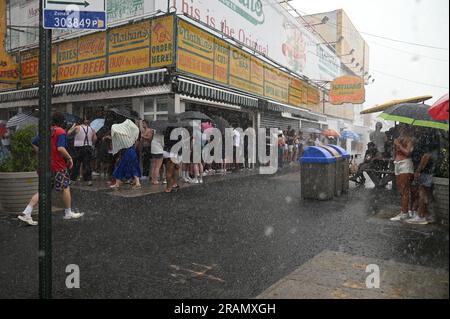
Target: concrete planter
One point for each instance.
(440, 204)
(16, 190)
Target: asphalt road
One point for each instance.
(228, 239)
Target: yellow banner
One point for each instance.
(240, 70)
(162, 42)
(257, 76)
(221, 61)
(129, 61)
(129, 48)
(68, 52)
(129, 37)
(92, 46)
(81, 70)
(196, 50)
(276, 85)
(295, 92)
(9, 69)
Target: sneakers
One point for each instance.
(73, 216)
(417, 220)
(28, 220)
(95, 174)
(400, 217)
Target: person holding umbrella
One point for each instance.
(425, 155)
(124, 137)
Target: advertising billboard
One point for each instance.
(268, 29)
(204, 55)
(348, 89)
(9, 70)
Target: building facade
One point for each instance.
(249, 62)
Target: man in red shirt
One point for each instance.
(61, 164)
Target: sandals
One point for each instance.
(135, 187)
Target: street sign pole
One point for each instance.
(45, 205)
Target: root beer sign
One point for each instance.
(82, 58)
(139, 46)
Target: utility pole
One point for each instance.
(45, 203)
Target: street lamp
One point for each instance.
(324, 20)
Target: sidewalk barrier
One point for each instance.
(345, 170)
(338, 187)
(318, 174)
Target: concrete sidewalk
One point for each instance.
(336, 275)
(100, 184)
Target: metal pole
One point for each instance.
(45, 107)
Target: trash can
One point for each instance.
(338, 169)
(318, 170)
(345, 170)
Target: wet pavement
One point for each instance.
(229, 238)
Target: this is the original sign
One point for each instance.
(347, 89)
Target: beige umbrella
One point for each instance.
(124, 135)
(385, 106)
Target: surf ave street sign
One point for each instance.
(75, 14)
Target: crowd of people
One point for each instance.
(415, 152)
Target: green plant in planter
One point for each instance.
(22, 157)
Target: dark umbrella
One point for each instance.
(71, 119)
(413, 114)
(125, 112)
(221, 123)
(162, 125)
(194, 115)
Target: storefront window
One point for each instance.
(156, 109)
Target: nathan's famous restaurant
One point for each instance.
(163, 64)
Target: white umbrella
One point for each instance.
(124, 135)
(98, 124)
(22, 120)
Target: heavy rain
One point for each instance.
(224, 150)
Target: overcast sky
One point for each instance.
(418, 21)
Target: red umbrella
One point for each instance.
(439, 110)
(331, 132)
(3, 130)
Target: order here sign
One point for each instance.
(75, 14)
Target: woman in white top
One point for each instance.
(85, 138)
(157, 155)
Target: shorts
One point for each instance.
(60, 180)
(157, 156)
(291, 148)
(404, 167)
(426, 180)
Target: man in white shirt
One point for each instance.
(379, 139)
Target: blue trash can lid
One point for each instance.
(314, 154)
(341, 151)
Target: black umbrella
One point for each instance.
(125, 112)
(221, 123)
(413, 114)
(194, 115)
(162, 125)
(71, 119)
